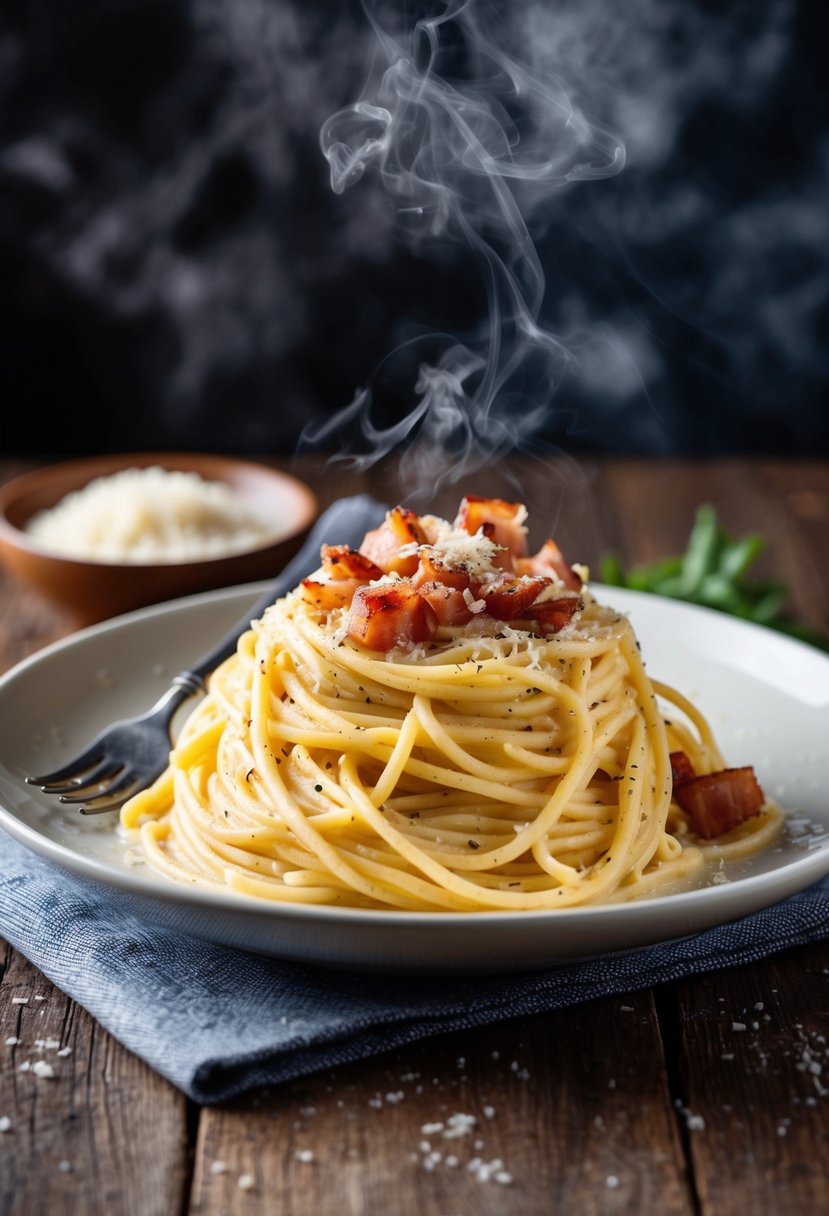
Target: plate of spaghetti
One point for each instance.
(442, 751)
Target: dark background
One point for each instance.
(176, 271)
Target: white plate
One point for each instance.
(766, 696)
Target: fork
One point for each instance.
(128, 755)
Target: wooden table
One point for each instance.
(650, 1102)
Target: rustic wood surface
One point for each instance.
(650, 1102)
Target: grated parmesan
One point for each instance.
(455, 547)
(472, 604)
(149, 515)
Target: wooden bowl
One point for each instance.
(92, 590)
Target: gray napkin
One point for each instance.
(218, 1022)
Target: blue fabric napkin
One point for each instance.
(218, 1022)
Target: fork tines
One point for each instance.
(100, 786)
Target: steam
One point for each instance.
(169, 234)
(471, 145)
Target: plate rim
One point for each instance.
(794, 875)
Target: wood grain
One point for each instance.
(787, 503)
(755, 1069)
(101, 1133)
(800, 492)
(572, 1106)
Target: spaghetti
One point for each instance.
(489, 763)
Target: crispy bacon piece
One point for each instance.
(345, 571)
(717, 802)
(550, 560)
(448, 603)
(681, 768)
(343, 562)
(443, 588)
(388, 616)
(325, 596)
(434, 591)
(553, 615)
(432, 570)
(401, 528)
(501, 521)
(510, 598)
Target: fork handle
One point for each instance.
(344, 523)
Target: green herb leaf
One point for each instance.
(713, 572)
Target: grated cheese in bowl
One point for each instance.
(148, 516)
